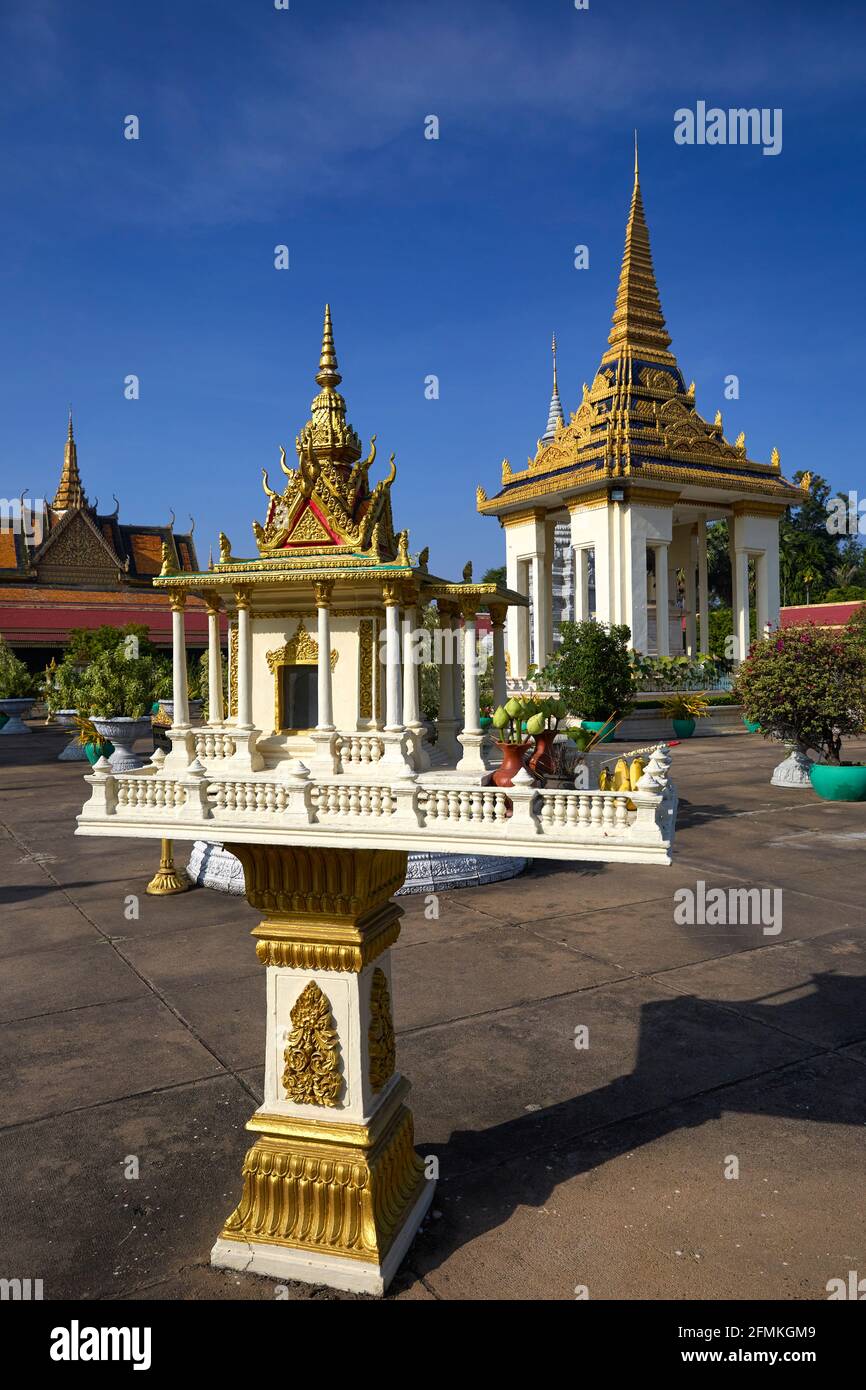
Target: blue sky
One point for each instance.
(452, 257)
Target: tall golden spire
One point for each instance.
(638, 325)
(327, 431)
(70, 493)
(328, 375)
(553, 350)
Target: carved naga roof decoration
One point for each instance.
(327, 502)
(638, 413)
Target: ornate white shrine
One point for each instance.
(320, 776)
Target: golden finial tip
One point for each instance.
(328, 375)
(635, 156)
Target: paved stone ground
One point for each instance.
(560, 1167)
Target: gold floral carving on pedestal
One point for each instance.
(380, 1034)
(233, 670)
(365, 672)
(312, 1056)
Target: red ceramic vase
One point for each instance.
(542, 761)
(513, 758)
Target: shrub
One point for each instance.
(16, 680)
(592, 670)
(112, 685)
(806, 686)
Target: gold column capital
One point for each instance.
(177, 600)
(212, 600)
(323, 589)
(243, 598)
(392, 594)
(498, 614)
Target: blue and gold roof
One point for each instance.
(638, 418)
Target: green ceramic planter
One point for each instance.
(94, 752)
(847, 782)
(683, 728)
(595, 726)
(752, 726)
(485, 721)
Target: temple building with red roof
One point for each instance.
(63, 565)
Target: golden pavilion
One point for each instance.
(637, 473)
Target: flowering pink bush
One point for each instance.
(806, 686)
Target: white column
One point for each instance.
(691, 602)
(245, 665)
(741, 602)
(215, 709)
(393, 691)
(517, 622)
(500, 692)
(457, 678)
(663, 635)
(470, 674)
(540, 608)
(581, 584)
(411, 702)
(178, 663)
(472, 738)
(703, 587)
(325, 720)
(762, 608)
(375, 679)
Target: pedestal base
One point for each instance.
(351, 1276)
(794, 771)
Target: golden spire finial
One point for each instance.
(553, 350)
(636, 172)
(328, 375)
(638, 326)
(70, 492)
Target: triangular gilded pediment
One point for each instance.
(309, 529)
(75, 547)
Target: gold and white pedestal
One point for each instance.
(333, 1190)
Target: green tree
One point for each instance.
(592, 670)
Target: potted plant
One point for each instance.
(683, 710)
(17, 691)
(196, 685)
(806, 687)
(116, 694)
(594, 675)
(508, 721)
(543, 725)
(92, 743)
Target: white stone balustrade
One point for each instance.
(211, 744)
(292, 805)
(360, 750)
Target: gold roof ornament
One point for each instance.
(638, 324)
(70, 491)
(775, 458)
(638, 417)
(327, 504)
(806, 482)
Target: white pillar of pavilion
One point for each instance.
(179, 691)
(703, 587)
(741, 603)
(581, 583)
(500, 690)
(245, 661)
(663, 636)
(472, 736)
(691, 600)
(215, 706)
(325, 721)
(393, 679)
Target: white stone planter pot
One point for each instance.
(123, 733)
(74, 750)
(16, 710)
(794, 771)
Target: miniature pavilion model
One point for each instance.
(320, 778)
(638, 473)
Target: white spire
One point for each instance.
(555, 413)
